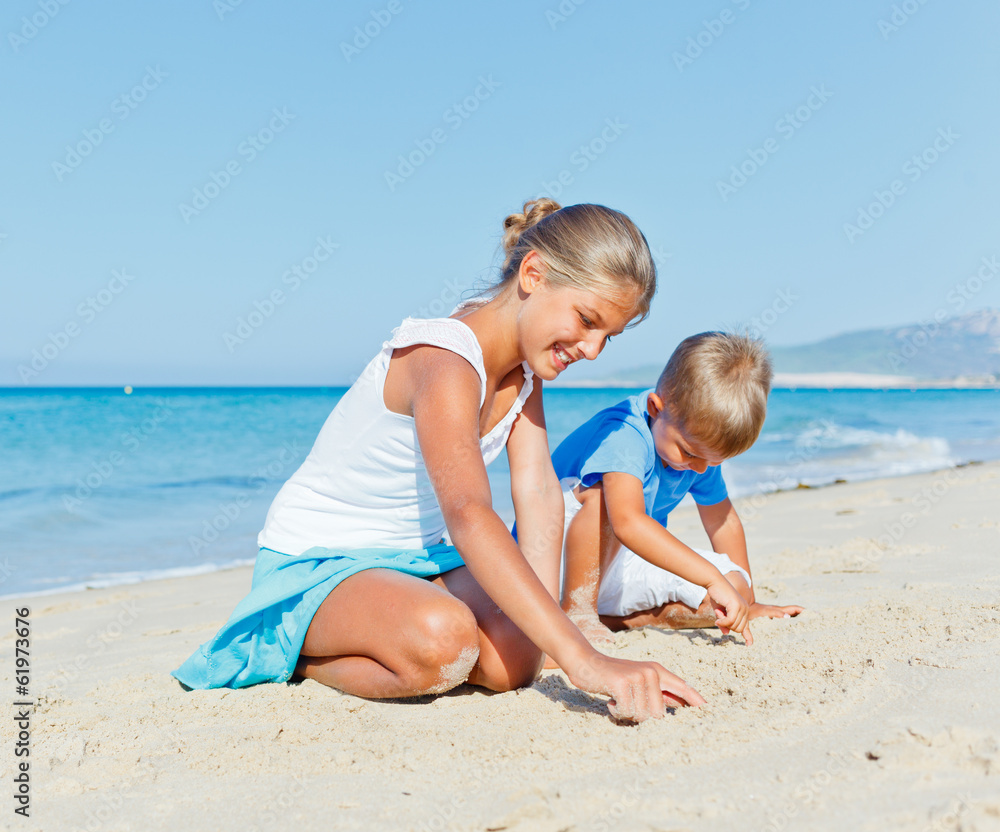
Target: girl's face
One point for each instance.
(562, 325)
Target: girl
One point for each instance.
(354, 586)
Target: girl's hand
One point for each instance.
(731, 611)
(638, 690)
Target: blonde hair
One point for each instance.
(583, 246)
(715, 386)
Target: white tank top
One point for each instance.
(364, 483)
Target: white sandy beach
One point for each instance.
(877, 709)
(876, 381)
(827, 381)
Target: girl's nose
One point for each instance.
(591, 346)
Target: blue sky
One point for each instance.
(167, 168)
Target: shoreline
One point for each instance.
(826, 722)
(135, 578)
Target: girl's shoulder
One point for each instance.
(403, 351)
(450, 333)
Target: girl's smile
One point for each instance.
(563, 358)
(582, 322)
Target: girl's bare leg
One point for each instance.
(508, 659)
(382, 633)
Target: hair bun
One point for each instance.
(534, 211)
(586, 247)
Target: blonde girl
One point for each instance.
(354, 586)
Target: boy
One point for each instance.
(629, 466)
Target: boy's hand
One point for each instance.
(731, 611)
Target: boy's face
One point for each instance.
(677, 449)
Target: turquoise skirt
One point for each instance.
(262, 639)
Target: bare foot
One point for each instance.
(590, 625)
(770, 611)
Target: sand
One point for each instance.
(879, 381)
(876, 709)
(825, 381)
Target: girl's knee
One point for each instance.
(446, 646)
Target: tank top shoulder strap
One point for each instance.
(447, 333)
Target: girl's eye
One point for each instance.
(586, 320)
(607, 340)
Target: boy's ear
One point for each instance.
(654, 404)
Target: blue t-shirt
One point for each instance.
(619, 439)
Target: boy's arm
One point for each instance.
(652, 542)
(725, 531)
(534, 488)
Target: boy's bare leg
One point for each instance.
(679, 616)
(590, 547)
(674, 615)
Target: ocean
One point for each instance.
(99, 487)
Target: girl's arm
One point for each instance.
(538, 501)
(445, 403)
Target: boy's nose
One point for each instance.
(699, 465)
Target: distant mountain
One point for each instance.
(967, 345)
(961, 347)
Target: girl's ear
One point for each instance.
(531, 273)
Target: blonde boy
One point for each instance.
(628, 467)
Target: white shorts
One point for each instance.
(632, 584)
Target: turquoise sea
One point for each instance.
(99, 488)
